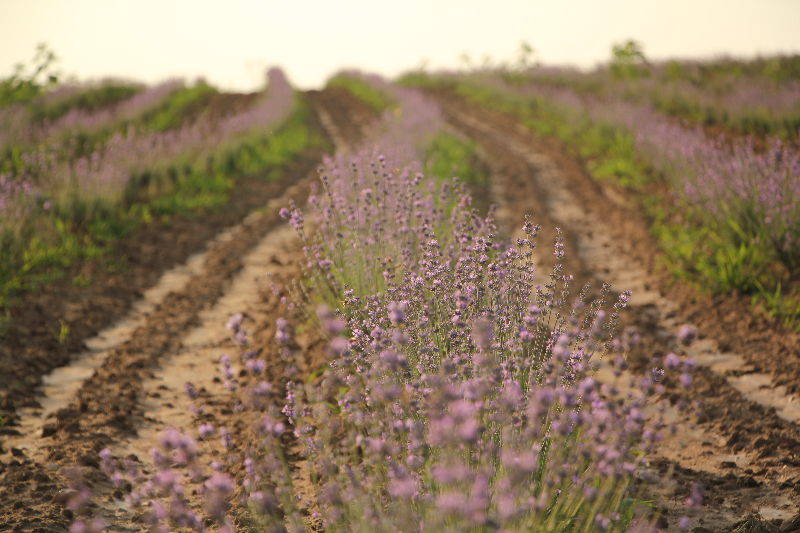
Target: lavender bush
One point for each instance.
(459, 395)
(464, 394)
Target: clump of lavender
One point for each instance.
(461, 387)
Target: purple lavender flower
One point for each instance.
(453, 503)
(339, 345)
(686, 334)
(235, 322)
(256, 366)
(695, 500)
(672, 361)
(483, 333)
(225, 438)
(282, 331)
(218, 488)
(397, 312)
(263, 388)
(403, 488)
(191, 392)
(264, 504)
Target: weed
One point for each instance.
(81, 280)
(63, 333)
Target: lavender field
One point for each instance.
(495, 300)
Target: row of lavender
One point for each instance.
(745, 196)
(51, 173)
(23, 137)
(755, 192)
(760, 97)
(19, 128)
(65, 198)
(729, 179)
(458, 394)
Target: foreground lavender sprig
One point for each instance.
(164, 496)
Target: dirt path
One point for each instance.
(741, 440)
(130, 385)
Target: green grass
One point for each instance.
(377, 100)
(185, 102)
(449, 156)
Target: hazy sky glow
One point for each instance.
(231, 42)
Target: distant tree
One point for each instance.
(628, 60)
(526, 57)
(466, 61)
(21, 87)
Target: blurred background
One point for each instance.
(121, 114)
(231, 43)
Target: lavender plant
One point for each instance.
(463, 397)
(459, 394)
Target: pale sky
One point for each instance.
(231, 42)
